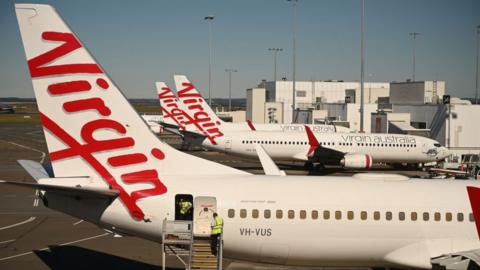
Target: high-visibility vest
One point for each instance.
(217, 228)
(184, 207)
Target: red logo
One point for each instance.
(200, 119)
(89, 146)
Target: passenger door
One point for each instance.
(204, 207)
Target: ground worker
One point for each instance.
(217, 229)
(185, 209)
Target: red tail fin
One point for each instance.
(474, 196)
(250, 125)
(312, 141)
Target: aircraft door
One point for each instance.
(228, 143)
(183, 207)
(204, 207)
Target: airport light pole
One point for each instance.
(476, 65)
(229, 71)
(275, 51)
(294, 2)
(209, 18)
(362, 67)
(414, 35)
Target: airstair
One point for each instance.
(189, 241)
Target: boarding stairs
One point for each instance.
(194, 252)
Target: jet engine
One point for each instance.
(357, 161)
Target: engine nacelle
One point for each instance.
(357, 161)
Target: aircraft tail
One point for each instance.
(173, 116)
(202, 118)
(90, 128)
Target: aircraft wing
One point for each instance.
(95, 192)
(268, 165)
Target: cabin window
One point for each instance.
(231, 213)
(338, 215)
(279, 214)
(437, 216)
(448, 216)
(291, 214)
(413, 216)
(326, 214)
(303, 214)
(426, 216)
(314, 214)
(388, 215)
(376, 215)
(471, 218)
(267, 214)
(243, 213)
(350, 215)
(363, 215)
(254, 213)
(401, 216)
(460, 217)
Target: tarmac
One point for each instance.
(35, 237)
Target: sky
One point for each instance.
(144, 41)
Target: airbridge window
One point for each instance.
(231, 213)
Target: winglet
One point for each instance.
(312, 141)
(250, 125)
(474, 196)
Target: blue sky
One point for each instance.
(140, 42)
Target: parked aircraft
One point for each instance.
(351, 150)
(111, 170)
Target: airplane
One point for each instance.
(111, 170)
(205, 118)
(350, 150)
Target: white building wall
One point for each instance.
(422, 92)
(311, 92)
(256, 105)
(351, 112)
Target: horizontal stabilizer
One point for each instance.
(94, 192)
(34, 168)
(268, 165)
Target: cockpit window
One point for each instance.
(437, 144)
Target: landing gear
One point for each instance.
(308, 166)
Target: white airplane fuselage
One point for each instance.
(391, 148)
(302, 240)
